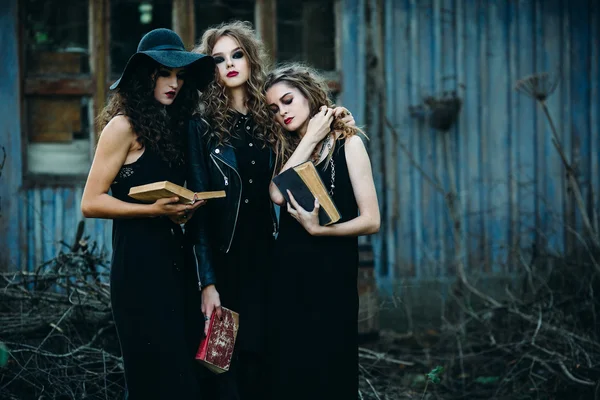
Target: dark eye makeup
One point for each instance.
(165, 73)
(236, 56)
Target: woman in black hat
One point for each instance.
(157, 315)
(230, 147)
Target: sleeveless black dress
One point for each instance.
(314, 304)
(155, 301)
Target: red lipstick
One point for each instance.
(171, 94)
(231, 74)
(288, 120)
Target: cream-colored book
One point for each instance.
(159, 190)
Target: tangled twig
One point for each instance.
(57, 325)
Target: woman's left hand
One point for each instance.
(308, 219)
(185, 216)
(348, 119)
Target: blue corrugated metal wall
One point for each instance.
(33, 221)
(10, 132)
(50, 215)
(510, 180)
(509, 177)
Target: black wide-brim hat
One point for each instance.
(166, 48)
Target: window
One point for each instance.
(306, 32)
(57, 88)
(66, 84)
(130, 20)
(209, 13)
(302, 30)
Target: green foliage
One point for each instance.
(41, 38)
(434, 375)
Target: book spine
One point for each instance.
(202, 352)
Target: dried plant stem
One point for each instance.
(571, 176)
(40, 346)
(373, 389)
(3, 160)
(373, 355)
(451, 199)
(432, 180)
(571, 377)
(425, 390)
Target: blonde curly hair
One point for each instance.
(314, 87)
(215, 102)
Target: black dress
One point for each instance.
(313, 310)
(241, 274)
(155, 300)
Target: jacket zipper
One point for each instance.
(197, 269)
(220, 170)
(272, 211)
(237, 212)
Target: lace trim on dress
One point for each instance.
(125, 172)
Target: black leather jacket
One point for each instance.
(212, 166)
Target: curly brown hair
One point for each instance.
(158, 127)
(216, 105)
(312, 86)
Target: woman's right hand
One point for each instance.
(319, 125)
(169, 207)
(182, 217)
(211, 302)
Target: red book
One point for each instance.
(216, 348)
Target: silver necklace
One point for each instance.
(329, 144)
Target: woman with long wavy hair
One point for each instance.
(156, 312)
(231, 147)
(314, 311)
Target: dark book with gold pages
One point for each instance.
(305, 184)
(216, 349)
(159, 190)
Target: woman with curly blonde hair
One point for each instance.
(315, 267)
(232, 139)
(229, 148)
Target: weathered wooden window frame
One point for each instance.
(266, 26)
(265, 21)
(93, 85)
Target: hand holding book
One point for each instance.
(304, 182)
(169, 199)
(173, 209)
(216, 348)
(159, 190)
(308, 219)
